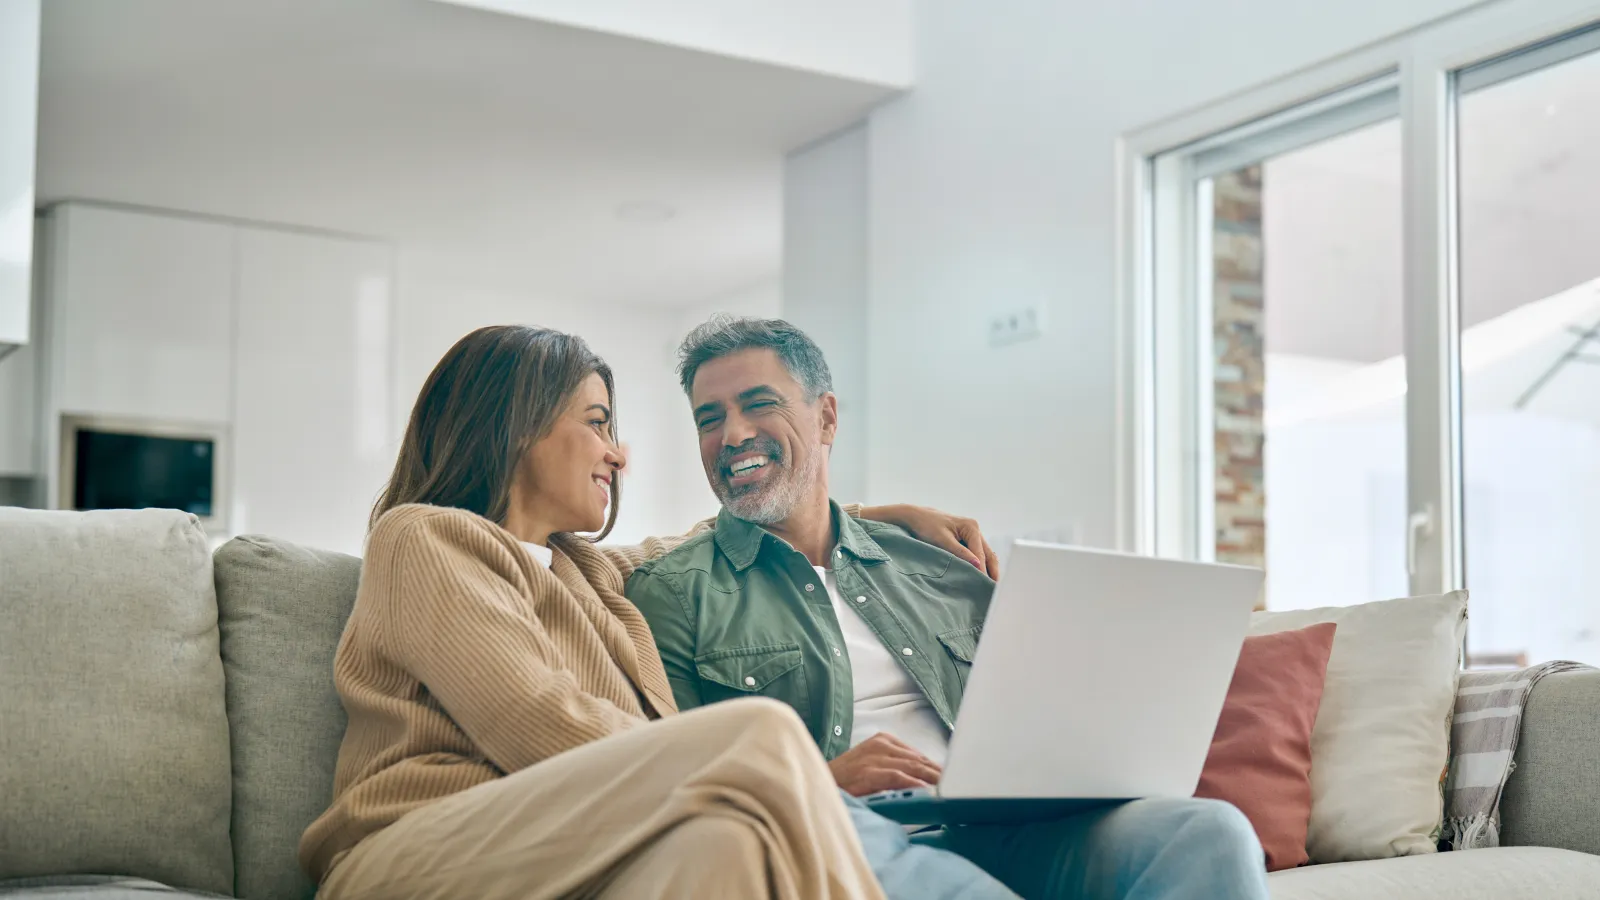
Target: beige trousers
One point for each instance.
(731, 800)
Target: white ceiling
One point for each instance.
(1529, 211)
(486, 144)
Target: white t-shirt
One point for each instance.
(542, 554)
(886, 697)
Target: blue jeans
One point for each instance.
(914, 871)
(1144, 850)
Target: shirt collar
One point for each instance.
(740, 541)
(542, 554)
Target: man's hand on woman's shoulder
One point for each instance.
(955, 535)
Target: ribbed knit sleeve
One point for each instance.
(629, 557)
(452, 610)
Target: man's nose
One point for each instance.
(736, 430)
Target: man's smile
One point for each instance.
(748, 469)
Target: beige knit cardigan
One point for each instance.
(454, 613)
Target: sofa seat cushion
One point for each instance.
(282, 608)
(113, 729)
(1503, 873)
(94, 887)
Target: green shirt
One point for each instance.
(737, 612)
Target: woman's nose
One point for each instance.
(617, 457)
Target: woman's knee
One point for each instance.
(759, 716)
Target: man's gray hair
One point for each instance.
(723, 335)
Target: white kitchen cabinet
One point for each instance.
(17, 413)
(141, 314)
(19, 130)
(311, 432)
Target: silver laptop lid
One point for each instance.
(1098, 675)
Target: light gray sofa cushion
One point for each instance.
(1503, 873)
(1553, 797)
(113, 734)
(94, 887)
(283, 608)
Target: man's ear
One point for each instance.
(828, 408)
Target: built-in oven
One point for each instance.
(124, 463)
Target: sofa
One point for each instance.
(168, 727)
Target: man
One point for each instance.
(869, 634)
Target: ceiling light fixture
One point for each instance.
(645, 211)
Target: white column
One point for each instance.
(825, 259)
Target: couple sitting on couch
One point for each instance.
(512, 689)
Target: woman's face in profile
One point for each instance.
(572, 468)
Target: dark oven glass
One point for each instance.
(135, 471)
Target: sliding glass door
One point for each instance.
(1528, 143)
(1364, 318)
(1298, 394)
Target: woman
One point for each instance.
(511, 732)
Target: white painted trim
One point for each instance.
(1156, 488)
(1204, 408)
(1432, 329)
(1174, 420)
(1134, 473)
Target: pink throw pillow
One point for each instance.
(1260, 759)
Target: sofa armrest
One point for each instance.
(1552, 798)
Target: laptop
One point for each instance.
(1099, 679)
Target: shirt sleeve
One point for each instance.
(629, 557)
(456, 620)
(667, 610)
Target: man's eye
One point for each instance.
(761, 404)
(708, 423)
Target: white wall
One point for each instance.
(992, 184)
(867, 40)
(825, 275)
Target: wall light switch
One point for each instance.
(1016, 325)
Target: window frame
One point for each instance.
(1163, 444)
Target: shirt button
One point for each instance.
(861, 599)
(839, 553)
(837, 731)
(906, 651)
(748, 680)
(810, 588)
(836, 651)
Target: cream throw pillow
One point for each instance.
(1382, 738)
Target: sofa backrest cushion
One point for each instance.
(1552, 796)
(283, 607)
(113, 735)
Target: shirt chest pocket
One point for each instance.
(962, 645)
(773, 670)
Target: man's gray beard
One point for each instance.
(774, 502)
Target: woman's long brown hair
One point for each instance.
(493, 395)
